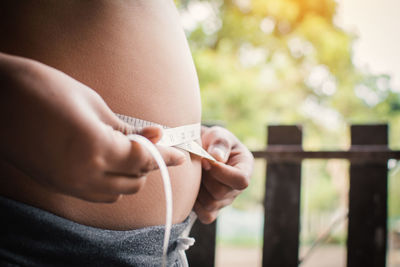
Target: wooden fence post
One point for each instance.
(282, 202)
(367, 229)
(202, 254)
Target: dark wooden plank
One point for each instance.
(282, 203)
(367, 228)
(376, 153)
(202, 254)
(369, 134)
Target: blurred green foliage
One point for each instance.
(283, 62)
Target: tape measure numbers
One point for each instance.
(182, 137)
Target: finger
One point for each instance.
(172, 156)
(204, 216)
(107, 187)
(220, 150)
(242, 159)
(218, 190)
(97, 197)
(232, 176)
(140, 161)
(134, 160)
(125, 156)
(153, 133)
(217, 141)
(121, 126)
(117, 184)
(210, 204)
(102, 198)
(107, 116)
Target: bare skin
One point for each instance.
(222, 180)
(135, 56)
(129, 57)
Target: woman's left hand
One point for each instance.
(222, 180)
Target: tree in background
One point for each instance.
(282, 62)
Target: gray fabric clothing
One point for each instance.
(33, 237)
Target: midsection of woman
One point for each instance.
(135, 55)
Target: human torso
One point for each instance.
(135, 55)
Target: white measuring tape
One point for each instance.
(182, 137)
(167, 188)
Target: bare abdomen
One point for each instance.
(135, 55)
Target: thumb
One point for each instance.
(220, 150)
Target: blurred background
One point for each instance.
(324, 64)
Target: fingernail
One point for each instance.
(218, 152)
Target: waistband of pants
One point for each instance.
(34, 237)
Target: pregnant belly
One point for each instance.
(135, 55)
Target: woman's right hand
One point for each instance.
(62, 134)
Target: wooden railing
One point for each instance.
(367, 225)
